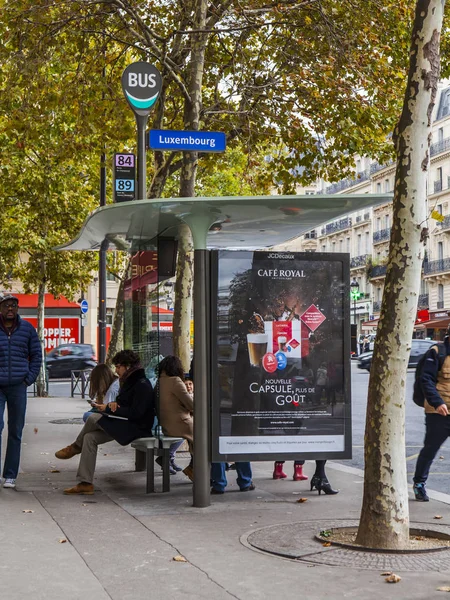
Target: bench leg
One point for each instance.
(139, 460)
(166, 474)
(150, 457)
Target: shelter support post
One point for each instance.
(202, 371)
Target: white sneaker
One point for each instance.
(9, 483)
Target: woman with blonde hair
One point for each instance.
(103, 387)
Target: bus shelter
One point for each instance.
(232, 239)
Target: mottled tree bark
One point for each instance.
(116, 341)
(41, 390)
(385, 516)
(183, 286)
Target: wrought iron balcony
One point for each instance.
(378, 271)
(382, 235)
(338, 225)
(423, 301)
(436, 266)
(334, 188)
(440, 304)
(440, 146)
(445, 224)
(359, 261)
(376, 306)
(374, 167)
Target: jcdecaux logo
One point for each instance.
(141, 84)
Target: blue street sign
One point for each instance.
(198, 141)
(84, 307)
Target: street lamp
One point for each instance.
(354, 294)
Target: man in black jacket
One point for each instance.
(436, 389)
(130, 417)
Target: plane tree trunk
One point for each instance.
(384, 522)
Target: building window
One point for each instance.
(444, 104)
(440, 251)
(341, 245)
(348, 245)
(367, 242)
(387, 221)
(379, 224)
(440, 134)
(386, 186)
(378, 188)
(358, 248)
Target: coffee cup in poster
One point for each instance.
(282, 341)
(257, 347)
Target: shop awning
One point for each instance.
(435, 324)
(234, 222)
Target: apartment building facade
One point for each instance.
(365, 234)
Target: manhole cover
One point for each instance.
(298, 542)
(75, 421)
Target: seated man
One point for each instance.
(135, 404)
(219, 478)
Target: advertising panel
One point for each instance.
(281, 356)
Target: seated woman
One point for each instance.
(103, 387)
(176, 405)
(135, 405)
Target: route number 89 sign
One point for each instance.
(124, 168)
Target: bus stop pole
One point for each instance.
(202, 371)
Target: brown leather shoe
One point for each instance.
(81, 488)
(68, 452)
(189, 472)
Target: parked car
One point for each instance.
(70, 357)
(418, 349)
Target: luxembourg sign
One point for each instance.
(195, 141)
(141, 84)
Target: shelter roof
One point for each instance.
(234, 222)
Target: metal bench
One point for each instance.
(146, 450)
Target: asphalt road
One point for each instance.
(440, 473)
(415, 430)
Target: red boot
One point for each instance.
(298, 473)
(278, 471)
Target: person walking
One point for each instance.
(436, 388)
(20, 362)
(135, 405)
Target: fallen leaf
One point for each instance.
(326, 544)
(393, 578)
(441, 458)
(27, 510)
(54, 471)
(437, 517)
(325, 533)
(62, 541)
(45, 453)
(419, 537)
(36, 430)
(386, 574)
(302, 500)
(443, 589)
(179, 558)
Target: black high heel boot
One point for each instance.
(322, 484)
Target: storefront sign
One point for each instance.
(281, 367)
(58, 330)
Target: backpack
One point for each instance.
(418, 395)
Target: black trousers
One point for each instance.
(437, 430)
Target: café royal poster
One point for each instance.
(281, 361)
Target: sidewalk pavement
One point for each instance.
(120, 543)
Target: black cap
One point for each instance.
(4, 297)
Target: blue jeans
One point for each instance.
(15, 398)
(437, 430)
(219, 478)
